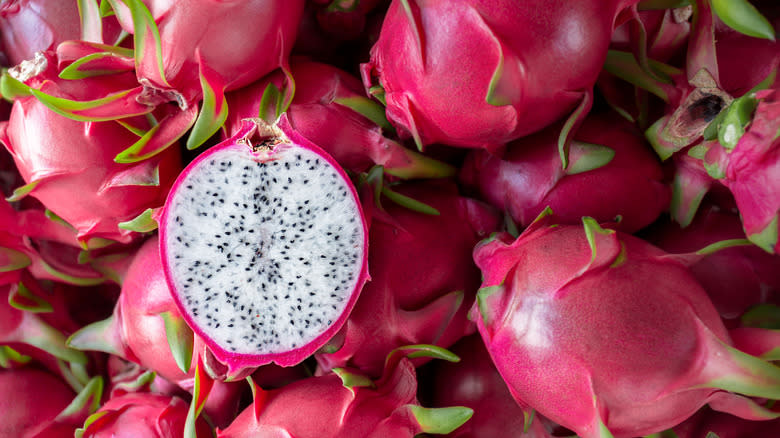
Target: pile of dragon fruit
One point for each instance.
(389, 219)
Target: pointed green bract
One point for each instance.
(22, 298)
(200, 392)
(21, 192)
(747, 375)
(145, 31)
(743, 17)
(91, 23)
(88, 399)
(625, 66)
(591, 157)
(270, 104)
(143, 223)
(214, 109)
(378, 92)
(736, 117)
(723, 244)
(766, 239)
(418, 34)
(97, 336)
(11, 88)
(409, 203)
(180, 340)
(368, 109)
(765, 316)
(440, 420)
(567, 131)
(483, 295)
(351, 380)
(592, 227)
(13, 260)
(72, 108)
(426, 350)
(71, 279)
(79, 433)
(493, 97)
(75, 71)
(9, 357)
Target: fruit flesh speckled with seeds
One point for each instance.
(264, 248)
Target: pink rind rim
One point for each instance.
(238, 361)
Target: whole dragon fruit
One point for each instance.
(423, 279)
(347, 404)
(436, 92)
(264, 247)
(141, 415)
(475, 383)
(611, 173)
(329, 108)
(606, 334)
(69, 165)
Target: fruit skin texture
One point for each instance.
(143, 415)
(423, 279)
(194, 34)
(530, 176)
(73, 161)
(24, 411)
(242, 142)
(474, 382)
(435, 91)
(598, 329)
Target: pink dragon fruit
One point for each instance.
(141, 414)
(611, 173)
(171, 63)
(57, 415)
(330, 109)
(423, 279)
(734, 278)
(264, 247)
(78, 179)
(606, 334)
(30, 26)
(147, 328)
(437, 93)
(475, 383)
(346, 404)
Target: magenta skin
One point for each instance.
(25, 412)
(237, 361)
(436, 91)
(609, 333)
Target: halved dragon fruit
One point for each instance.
(264, 246)
(606, 334)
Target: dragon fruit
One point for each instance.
(437, 93)
(180, 49)
(474, 382)
(329, 108)
(264, 247)
(78, 179)
(611, 173)
(735, 278)
(347, 404)
(423, 279)
(606, 334)
(141, 415)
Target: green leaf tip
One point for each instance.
(143, 223)
(409, 203)
(766, 316)
(352, 380)
(588, 156)
(427, 350)
(483, 294)
(23, 298)
(592, 227)
(743, 17)
(180, 339)
(766, 239)
(368, 109)
(441, 420)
